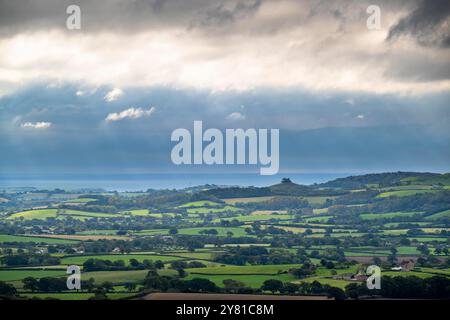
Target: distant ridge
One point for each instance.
(388, 179)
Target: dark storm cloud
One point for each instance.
(122, 15)
(429, 24)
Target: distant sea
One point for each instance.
(138, 182)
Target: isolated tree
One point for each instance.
(233, 285)
(201, 285)
(336, 293)
(159, 264)
(134, 263)
(272, 285)
(107, 286)
(130, 286)
(7, 289)
(30, 283)
(88, 285)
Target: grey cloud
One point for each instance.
(419, 67)
(136, 15)
(121, 15)
(315, 132)
(226, 13)
(429, 24)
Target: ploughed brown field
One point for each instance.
(219, 296)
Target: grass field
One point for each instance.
(255, 270)
(193, 255)
(373, 216)
(402, 193)
(152, 232)
(439, 215)
(14, 275)
(329, 281)
(116, 277)
(428, 239)
(247, 200)
(80, 200)
(34, 214)
(222, 231)
(79, 260)
(301, 230)
(212, 210)
(318, 219)
(143, 212)
(98, 232)
(43, 214)
(11, 238)
(252, 218)
(203, 203)
(267, 212)
(81, 237)
(253, 281)
(318, 201)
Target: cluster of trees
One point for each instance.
(51, 284)
(47, 284)
(278, 203)
(429, 202)
(387, 179)
(26, 259)
(257, 255)
(307, 269)
(412, 287)
(155, 282)
(7, 290)
(108, 265)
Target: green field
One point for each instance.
(80, 200)
(318, 219)
(402, 193)
(247, 200)
(255, 270)
(222, 231)
(79, 260)
(373, 216)
(43, 214)
(329, 281)
(143, 212)
(11, 238)
(252, 218)
(253, 281)
(203, 203)
(116, 277)
(212, 210)
(98, 232)
(318, 201)
(14, 275)
(439, 215)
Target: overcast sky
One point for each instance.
(106, 97)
